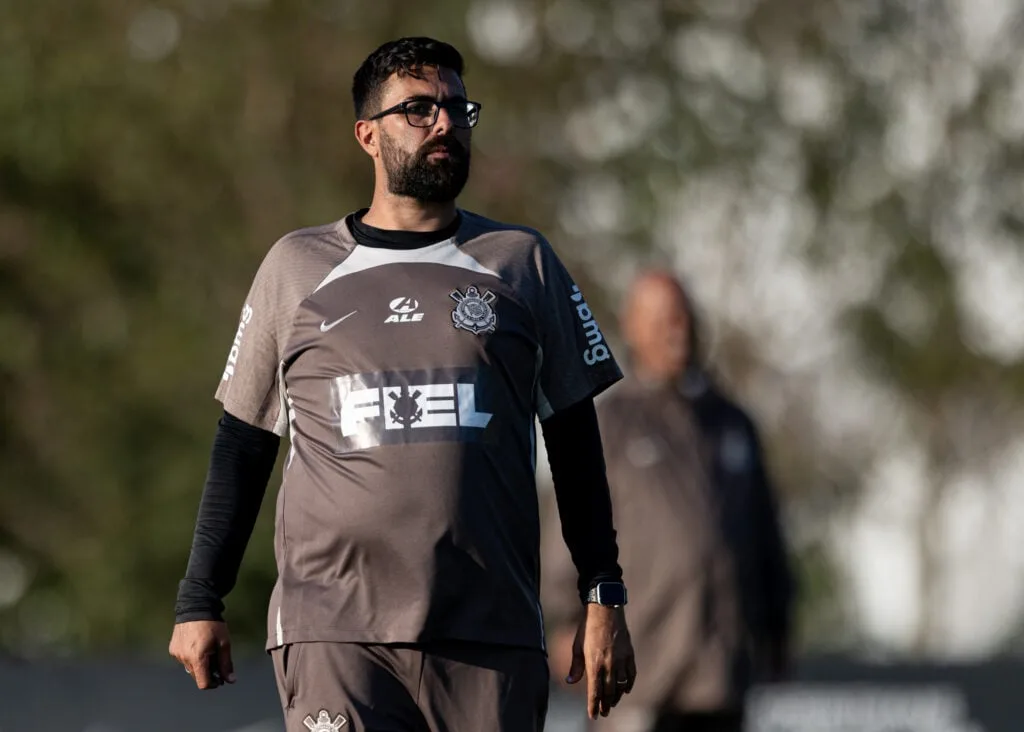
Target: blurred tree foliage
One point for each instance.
(150, 154)
(841, 184)
(137, 197)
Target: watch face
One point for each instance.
(610, 593)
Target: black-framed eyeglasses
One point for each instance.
(423, 112)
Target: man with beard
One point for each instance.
(406, 349)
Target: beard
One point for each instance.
(412, 175)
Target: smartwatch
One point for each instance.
(609, 594)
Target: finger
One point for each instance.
(620, 684)
(620, 691)
(576, 669)
(213, 668)
(615, 698)
(630, 673)
(609, 690)
(224, 663)
(200, 669)
(594, 692)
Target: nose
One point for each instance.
(443, 125)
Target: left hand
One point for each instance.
(603, 652)
(203, 647)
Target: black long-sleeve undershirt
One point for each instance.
(242, 460)
(573, 441)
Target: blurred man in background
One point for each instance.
(407, 350)
(698, 530)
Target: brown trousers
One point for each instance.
(443, 687)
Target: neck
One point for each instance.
(398, 213)
(653, 377)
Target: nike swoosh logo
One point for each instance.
(325, 326)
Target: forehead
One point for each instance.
(432, 82)
(661, 296)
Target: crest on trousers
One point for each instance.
(323, 722)
(473, 311)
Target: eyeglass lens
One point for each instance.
(424, 113)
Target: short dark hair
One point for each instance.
(404, 56)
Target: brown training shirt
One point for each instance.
(408, 381)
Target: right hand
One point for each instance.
(603, 653)
(203, 647)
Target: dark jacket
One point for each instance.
(749, 510)
(700, 545)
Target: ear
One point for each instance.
(366, 136)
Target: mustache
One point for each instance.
(450, 145)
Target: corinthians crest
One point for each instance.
(473, 311)
(323, 722)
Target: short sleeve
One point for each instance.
(250, 386)
(576, 361)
